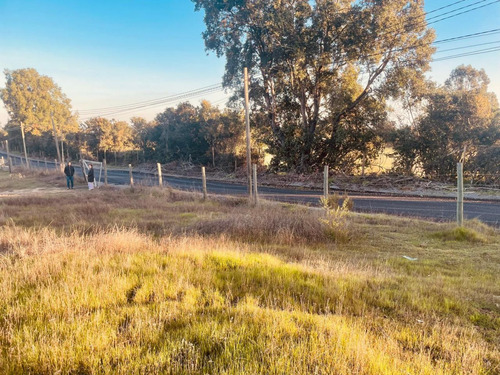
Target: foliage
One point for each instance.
(34, 100)
(141, 129)
(459, 121)
(405, 144)
(31, 98)
(321, 70)
(106, 135)
(195, 134)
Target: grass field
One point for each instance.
(151, 281)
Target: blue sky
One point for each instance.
(108, 53)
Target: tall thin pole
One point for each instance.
(247, 120)
(24, 146)
(62, 151)
(130, 175)
(160, 177)
(9, 160)
(460, 194)
(105, 172)
(325, 182)
(255, 189)
(55, 137)
(204, 183)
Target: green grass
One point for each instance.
(460, 234)
(156, 281)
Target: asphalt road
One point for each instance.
(435, 209)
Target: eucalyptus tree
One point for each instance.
(36, 104)
(108, 135)
(461, 118)
(320, 69)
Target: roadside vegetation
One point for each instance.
(153, 280)
(22, 179)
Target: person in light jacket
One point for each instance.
(90, 177)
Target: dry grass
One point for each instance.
(28, 179)
(155, 281)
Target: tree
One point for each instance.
(303, 55)
(221, 130)
(108, 135)
(458, 120)
(33, 101)
(179, 136)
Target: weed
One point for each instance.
(336, 220)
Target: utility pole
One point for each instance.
(55, 137)
(247, 120)
(62, 151)
(9, 160)
(24, 146)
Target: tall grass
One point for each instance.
(155, 281)
(119, 302)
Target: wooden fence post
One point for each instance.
(130, 175)
(105, 172)
(160, 177)
(460, 194)
(325, 182)
(204, 183)
(9, 160)
(255, 190)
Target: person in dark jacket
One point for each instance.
(69, 171)
(90, 177)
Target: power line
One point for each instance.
(446, 6)
(468, 36)
(107, 111)
(468, 46)
(466, 11)
(448, 40)
(134, 106)
(195, 91)
(455, 10)
(472, 53)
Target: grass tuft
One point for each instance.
(460, 234)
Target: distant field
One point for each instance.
(151, 281)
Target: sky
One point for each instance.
(116, 52)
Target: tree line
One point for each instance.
(324, 76)
(201, 134)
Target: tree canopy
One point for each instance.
(459, 121)
(32, 98)
(317, 66)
